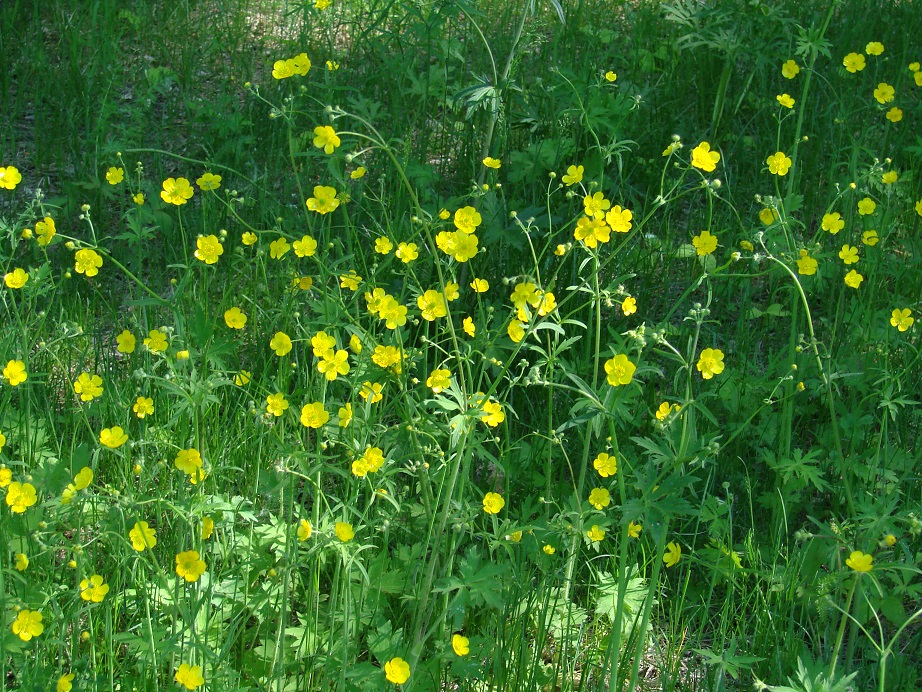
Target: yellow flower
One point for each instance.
(209, 181)
(243, 377)
(125, 342)
(432, 305)
(235, 318)
(848, 254)
(15, 373)
(884, 93)
(156, 341)
(6, 475)
(573, 175)
(853, 279)
(64, 683)
(860, 562)
(439, 380)
(633, 530)
(549, 549)
(358, 173)
(189, 565)
(620, 370)
(853, 62)
(833, 222)
(894, 115)
(176, 191)
(88, 386)
(45, 230)
(276, 404)
(467, 219)
(93, 589)
(490, 162)
(747, 246)
(480, 285)
(704, 158)
(889, 177)
(280, 343)
(208, 249)
(492, 413)
(371, 392)
(629, 305)
(778, 163)
(383, 245)
(188, 676)
(469, 327)
(890, 540)
(9, 177)
(595, 205)
(282, 69)
(461, 645)
(314, 415)
(673, 554)
(610, 76)
(325, 138)
(344, 531)
(304, 530)
(278, 248)
(710, 362)
(806, 265)
(516, 330)
(345, 416)
(28, 624)
(705, 243)
(493, 503)
(785, 100)
(790, 69)
(407, 252)
(142, 536)
(16, 279)
(87, 262)
(20, 496)
(619, 220)
(874, 48)
(663, 411)
(350, 280)
(599, 498)
(324, 199)
(248, 238)
(595, 534)
(334, 365)
(207, 528)
(902, 319)
(591, 231)
(113, 437)
(115, 175)
(138, 198)
(397, 671)
(605, 464)
(22, 562)
(870, 237)
(451, 291)
(189, 461)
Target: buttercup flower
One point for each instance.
(344, 531)
(889, 177)
(492, 413)
(549, 549)
(704, 158)
(337, 364)
(345, 416)
(304, 530)
(358, 173)
(88, 386)
(371, 392)
(853, 62)
(188, 676)
(620, 370)
(493, 503)
(235, 318)
(490, 162)
(278, 248)
(874, 48)
(142, 536)
(156, 341)
(143, 406)
(314, 415)
(866, 206)
(599, 498)
(113, 437)
(28, 624)
(870, 237)
(848, 254)
(467, 219)
(610, 76)
(618, 219)
(15, 373)
(383, 245)
(93, 589)
(605, 464)
(778, 163)
(595, 205)
(407, 252)
(125, 342)
(673, 554)
(595, 534)
(397, 671)
(439, 380)
(208, 181)
(87, 262)
(45, 230)
(860, 562)
(705, 243)
(83, 478)
(176, 191)
(573, 175)
(785, 100)
(21, 562)
(9, 177)
(276, 404)
(189, 565)
(633, 530)
(884, 93)
(469, 327)
(629, 305)
(248, 238)
(16, 279)
(115, 175)
(325, 138)
(460, 645)
(208, 249)
(20, 496)
(833, 222)
(902, 319)
(894, 115)
(790, 69)
(516, 331)
(853, 279)
(324, 199)
(480, 285)
(591, 231)
(280, 343)
(806, 265)
(710, 362)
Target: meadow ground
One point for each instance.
(459, 345)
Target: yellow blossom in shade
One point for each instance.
(515, 537)
(853, 62)
(618, 219)
(371, 392)
(595, 205)
(629, 305)
(438, 380)
(467, 219)
(915, 66)
(866, 206)
(243, 377)
(325, 138)
(45, 230)
(87, 262)
(88, 386)
(209, 181)
(918, 78)
(785, 100)
(9, 177)
(301, 64)
(28, 624)
(884, 93)
(853, 279)
(444, 214)
(407, 252)
(673, 554)
(383, 245)
(672, 148)
(189, 565)
(889, 177)
(306, 247)
(870, 238)
(493, 503)
(304, 530)
(324, 200)
(848, 254)
(156, 341)
(189, 461)
(334, 366)
(16, 279)
(280, 343)
(208, 249)
(599, 498)
(663, 411)
(525, 292)
(705, 243)
(176, 191)
(397, 671)
(5, 474)
(276, 404)
(573, 175)
(113, 437)
(432, 305)
(492, 414)
(874, 48)
(358, 173)
(610, 76)
(549, 549)
(188, 676)
(248, 238)
(182, 355)
(806, 265)
(344, 531)
(595, 534)
(480, 285)
(21, 562)
(620, 370)
(142, 536)
(93, 589)
(14, 372)
(833, 222)
(115, 175)
(125, 342)
(207, 528)
(919, 203)
(778, 163)
(67, 495)
(460, 645)
(633, 530)
(902, 319)
(451, 291)
(894, 115)
(591, 232)
(490, 162)
(314, 415)
(282, 69)
(350, 281)
(860, 562)
(710, 362)
(345, 416)
(606, 464)
(138, 198)
(704, 158)
(278, 248)
(790, 69)
(20, 496)
(747, 246)
(516, 330)
(235, 318)
(469, 327)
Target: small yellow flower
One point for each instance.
(126, 342)
(189, 565)
(397, 671)
(549, 549)
(209, 181)
(16, 279)
(902, 319)
(705, 243)
(894, 115)
(620, 370)
(874, 48)
(710, 362)
(276, 404)
(15, 373)
(673, 554)
(629, 305)
(304, 530)
(610, 76)
(21, 562)
(142, 536)
(189, 677)
(573, 175)
(778, 163)
(704, 158)
(358, 173)
(281, 344)
(599, 498)
(248, 238)
(480, 285)
(28, 624)
(314, 415)
(860, 562)
(633, 530)
(493, 503)
(870, 237)
(113, 437)
(490, 162)
(785, 100)
(93, 589)
(790, 69)
(115, 175)
(853, 279)
(461, 645)
(344, 531)
(235, 318)
(605, 464)
(595, 534)
(156, 341)
(20, 496)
